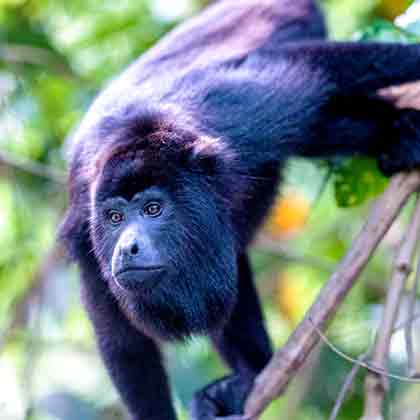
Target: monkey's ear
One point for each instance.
(73, 232)
(208, 153)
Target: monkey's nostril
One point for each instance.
(134, 249)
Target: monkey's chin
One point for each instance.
(181, 304)
(172, 320)
(139, 280)
(204, 326)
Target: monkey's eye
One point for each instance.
(115, 217)
(152, 209)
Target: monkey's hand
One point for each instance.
(222, 399)
(401, 149)
(404, 152)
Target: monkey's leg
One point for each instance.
(133, 360)
(244, 344)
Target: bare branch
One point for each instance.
(403, 96)
(287, 361)
(361, 362)
(376, 385)
(347, 384)
(27, 54)
(408, 330)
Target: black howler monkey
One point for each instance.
(177, 162)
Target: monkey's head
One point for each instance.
(162, 234)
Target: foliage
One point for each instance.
(55, 55)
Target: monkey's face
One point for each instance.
(168, 255)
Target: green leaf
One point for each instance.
(385, 31)
(357, 180)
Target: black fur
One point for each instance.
(209, 116)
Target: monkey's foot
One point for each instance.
(222, 399)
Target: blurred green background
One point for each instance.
(55, 55)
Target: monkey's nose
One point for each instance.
(130, 249)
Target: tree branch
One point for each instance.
(285, 363)
(408, 330)
(27, 54)
(19, 317)
(362, 362)
(376, 385)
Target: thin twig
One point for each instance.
(347, 384)
(359, 363)
(27, 54)
(408, 330)
(287, 361)
(367, 365)
(376, 384)
(408, 321)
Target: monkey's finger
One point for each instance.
(204, 407)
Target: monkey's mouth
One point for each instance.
(143, 268)
(132, 279)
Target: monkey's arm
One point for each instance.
(244, 345)
(354, 117)
(132, 359)
(316, 99)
